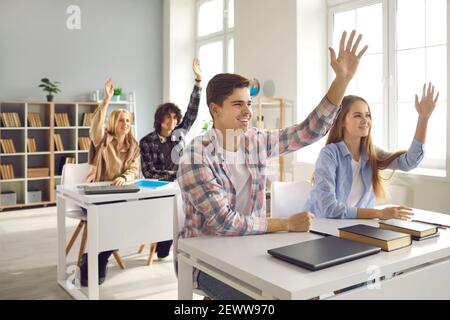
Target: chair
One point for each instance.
(178, 223)
(74, 174)
(288, 198)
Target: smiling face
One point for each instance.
(170, 122)
(235, 112)
(123, 125)
(358, 121)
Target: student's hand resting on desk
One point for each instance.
(402, 213)
(299, 222)
(118, 182)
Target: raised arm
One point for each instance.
(191, 113)
(320, 120)
(97, 130)
(344, 66)
(425, 108)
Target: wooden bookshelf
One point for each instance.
(27, 141)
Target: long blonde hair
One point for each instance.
(336, 134)
(113, 120)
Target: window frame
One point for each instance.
(390, 77)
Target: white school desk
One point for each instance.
(145, 217)
(243, 263)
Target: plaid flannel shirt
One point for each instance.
(209, 197)
(152, 158)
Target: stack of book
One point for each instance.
(7, 171)
(58, 142)
(87, 118)
(62, 120)
(10, 119)
(83, 143)
(34, 119)
(7, 145)
(38, 172)
(31, 143)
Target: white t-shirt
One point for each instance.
(357, 185)
(240, 178)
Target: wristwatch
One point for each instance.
(125, 177)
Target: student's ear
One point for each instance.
(215, 109)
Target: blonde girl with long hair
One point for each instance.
(347, 174)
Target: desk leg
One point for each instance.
(61, 224)
(185, 285)
(92, 226)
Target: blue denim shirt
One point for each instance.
(333, 179)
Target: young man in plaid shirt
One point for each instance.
(222, 174)
(158, 146)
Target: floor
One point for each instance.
(28, 242)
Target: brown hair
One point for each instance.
(162, 111)
(337, 134)
(113, 119)
(222, 85)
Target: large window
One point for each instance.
(215, 42)
(407, 47)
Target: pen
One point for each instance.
(440, 226)
(320, 233)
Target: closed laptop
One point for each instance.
(323, 253)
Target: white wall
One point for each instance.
(266, 48)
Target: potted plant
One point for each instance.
(50, 87)
(117, 94)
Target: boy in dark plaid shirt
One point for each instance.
(158, 146)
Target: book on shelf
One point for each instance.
(62, 120)
(87, 119)
(58, 142)
(38, 172)
(416, 229)
(385, 239)
(70, 160)
(34, 119)
(7, 171)
(31, 143)
(83, 143)
(7, 146)
(10, 119)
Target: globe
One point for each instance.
(255, 87)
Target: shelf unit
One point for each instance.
(273, 109)
(46, 154)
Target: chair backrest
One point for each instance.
(287, 198)
(73, 174)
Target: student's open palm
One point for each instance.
(346, 64)
(109, 88)
(427, 103)
(196, 69)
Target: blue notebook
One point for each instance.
(150, 184)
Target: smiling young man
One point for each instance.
(222, 174)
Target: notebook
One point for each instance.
(415, 229)
(150, 184)
(384, 239)
(323, 253)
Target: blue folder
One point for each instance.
(151, 184)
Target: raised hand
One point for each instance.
(427, 103)
(346, 64)
(109, 89)
(196, 69)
